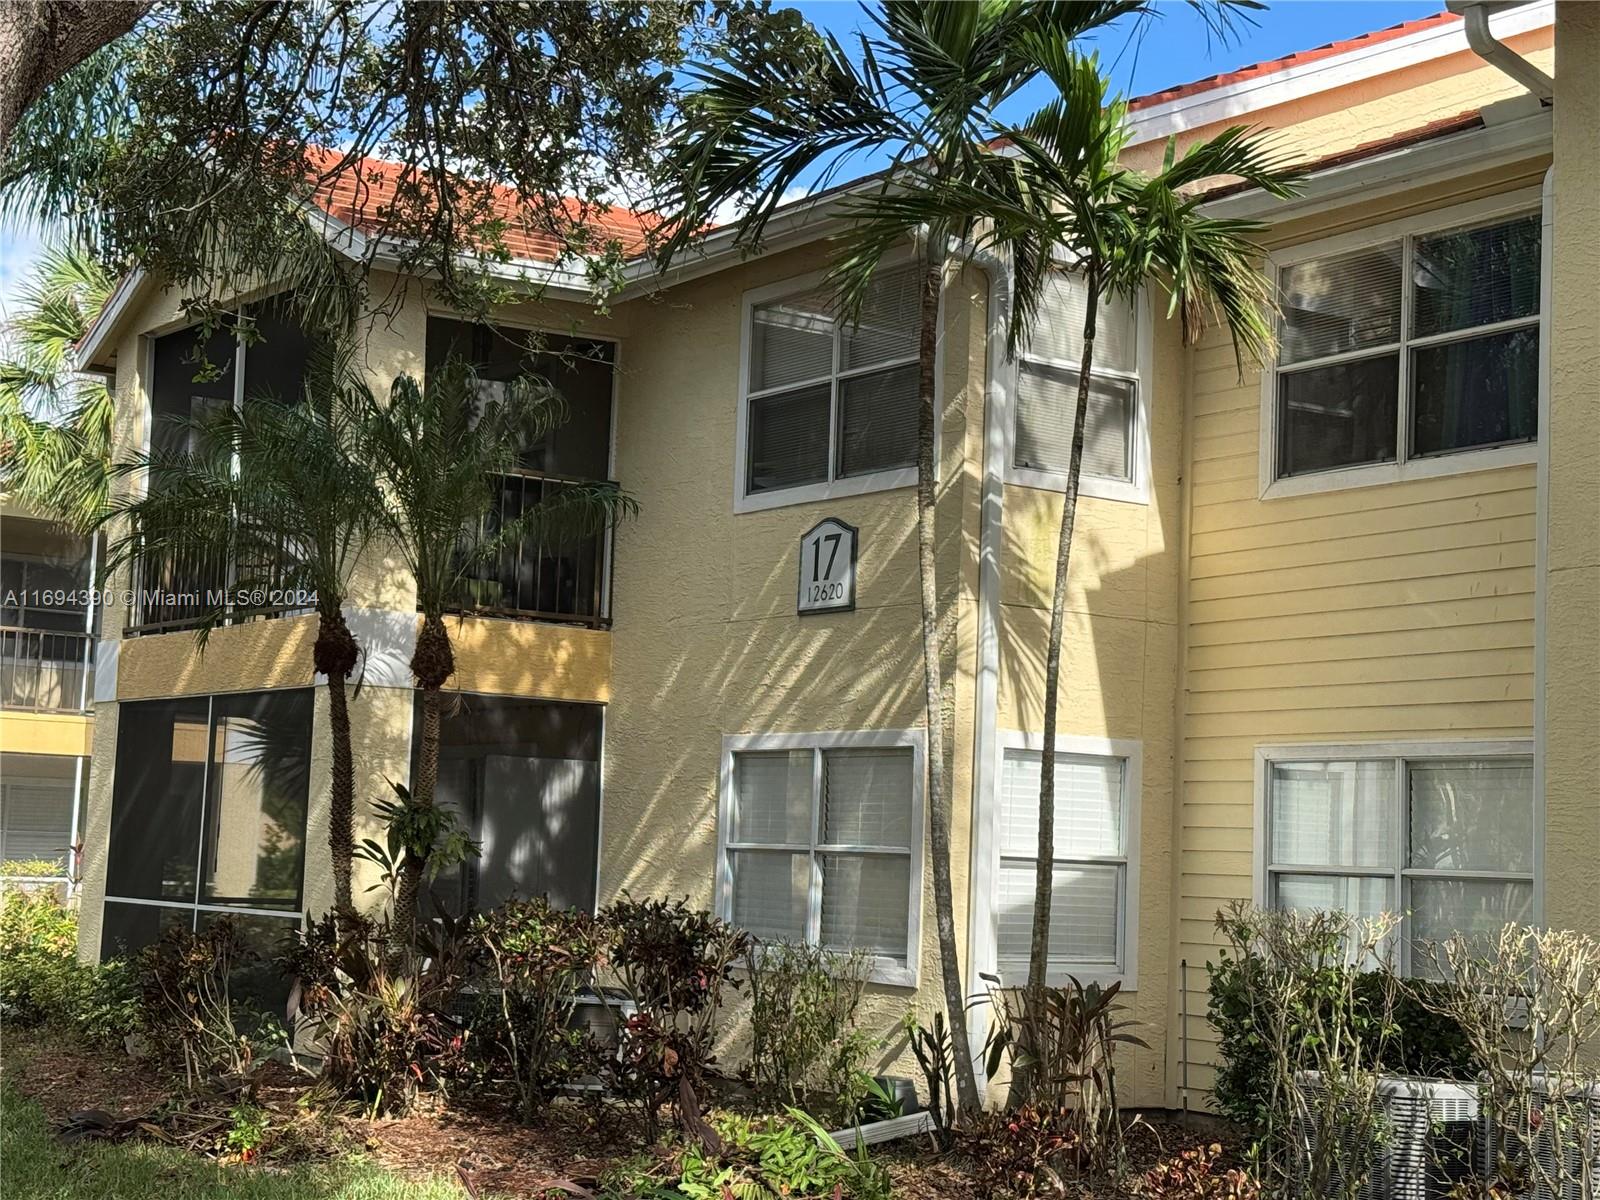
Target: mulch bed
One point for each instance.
(474, 1141)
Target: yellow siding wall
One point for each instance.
(1572, 650)
(1394, 612)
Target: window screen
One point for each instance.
(1090, 873)
(1356, 386)
(828, 399)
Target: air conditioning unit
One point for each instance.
(1564, 1141)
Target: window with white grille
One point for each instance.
(1092, 869)
(821, 842)
(828, 401)
(1444, 835)
(1047, 392)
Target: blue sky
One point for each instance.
(1174, 49)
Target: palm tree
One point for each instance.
(1123, 230)
(930, 76)
(280, 491)
(439, 453)
(55, 423)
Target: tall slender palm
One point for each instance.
(55, 423)
(922, 90)
(1122, 230)
(281, 492)
(440, 453)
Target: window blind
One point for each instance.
(878, 421)
(865, 796)
(1470, 277)
(1340, 304)
(792, 342)
(769, 893)
(1088, 805)
(864, 900)
(772, 797)
(1047, 399)
(1058, 332)
(889, 324)
(1333, 814)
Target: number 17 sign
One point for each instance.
(827, 568)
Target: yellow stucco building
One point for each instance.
(1333, 629)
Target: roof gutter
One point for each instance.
(1475, 16)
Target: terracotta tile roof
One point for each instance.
(361, 193)
(1297, 59)
(1444, 126)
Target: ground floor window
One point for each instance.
(523, 778)
(1094, 876)
(40, 801)
(208, 816)
(821, 838)
(1441, 833)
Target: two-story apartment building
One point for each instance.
(1333, 627)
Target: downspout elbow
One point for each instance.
(1475, 18)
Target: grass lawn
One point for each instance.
(35, 1166)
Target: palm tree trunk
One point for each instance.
(335, 655)
(1043, 880)
(432, 663)
(938, 796)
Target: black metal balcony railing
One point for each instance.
(184, 591)
(534, 579)
(43, 670)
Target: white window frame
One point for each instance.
(831, 489)
(1399, 871)
(883, 970)
(1522, 202)
(1131, 752)
(1128, 491)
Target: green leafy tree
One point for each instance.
(55, 422)
(923, 88)
(438, 453)
(1123, 230)
(282, 492)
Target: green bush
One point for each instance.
(1421, 1043)
(758, 1158)
(41, 979)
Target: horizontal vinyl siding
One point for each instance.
(1396, 612)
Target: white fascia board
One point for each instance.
(1294, 82)
(1395, 170)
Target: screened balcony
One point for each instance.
(47, 620)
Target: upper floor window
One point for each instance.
(822, 843)
(829, 408)
(1408, 348)
(1442, 833)
(1047, 395)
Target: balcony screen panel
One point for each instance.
(1481, 391)
(1047, 399)
(889, 324)
(771, 890)
(1472, 815)
(864, 903)
(789, 438)
(1340, 304)
(1470, 277)
(258, 785)
(1332, 814)
(772, 796)
(157, 799)
(1340, 415)
(792, 341)
(878, 421)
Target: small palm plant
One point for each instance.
(55, 423)
(439, 453)
(1120, 230)
(280, 491)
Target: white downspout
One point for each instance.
(1475, 16)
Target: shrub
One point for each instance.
(383, 1016)
(753, 1159)
(187, 1001)
(1197, 1174)
(673, 962)
(33, 868)
(1063, 1040)
(806, 1050)
(38, 953)
(540, 957)
(1022, 1151)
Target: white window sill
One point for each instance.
(1120, 490)
(1376, 475)
(812, 493)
